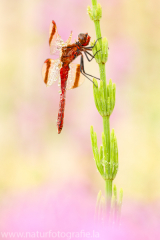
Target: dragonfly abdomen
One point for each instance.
(61, 112)
(64, 76)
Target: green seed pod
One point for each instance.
(99, 11)
(102, 209)
(92, 136)
(103, 102)
(97, 98)
(96, 51)
(114, 94)
(108, 106)
(111, 153)
(115, 170)
(104, 50)
(110, 87)
(120, 197)
(111, 91)
(89, 11)
(119, 206)
(98, 205)
(115, 191)
(105, 157)
(101, 154)
(95, 152)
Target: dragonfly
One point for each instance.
(70, 75)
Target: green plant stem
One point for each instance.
(94, 3)
(107, 159)
(108, 190)
(98, 31)
(97, 24)
(106, 129)
(108, 197)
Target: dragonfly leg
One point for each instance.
(87, 77)
(93, 45)
(82, 70)
(85, 52)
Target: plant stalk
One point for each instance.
(108, 191)
(106, 125)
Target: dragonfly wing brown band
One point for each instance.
(75, 78)
(52, 31)
(50, 71)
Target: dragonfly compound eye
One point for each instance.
(82, 37)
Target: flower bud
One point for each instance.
(95, 13)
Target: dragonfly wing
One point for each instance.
(55, 41)
(51, 71)
(69, 40)
(75, 78)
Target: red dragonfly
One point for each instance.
(62, 68)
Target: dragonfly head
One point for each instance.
(84, 39)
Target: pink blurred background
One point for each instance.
(42, 172)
